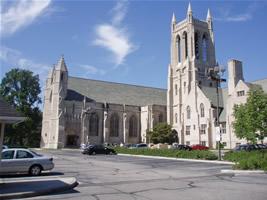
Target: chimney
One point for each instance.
(235, 73)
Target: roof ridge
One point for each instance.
(119, 83)
(258, 80)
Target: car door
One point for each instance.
(6, 164)
(23, 160)
(100, 149)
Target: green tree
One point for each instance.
(21, 89)
(251, 117)
(162, 133)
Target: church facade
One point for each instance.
(78, 110)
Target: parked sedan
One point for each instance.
(182, 147)
(20, 160)
(97, 149)
(246, 147)
(199, 147)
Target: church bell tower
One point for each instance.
(192, 54)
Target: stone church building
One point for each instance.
(78, 110)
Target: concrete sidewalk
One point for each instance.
(180, 159)
(16, 188)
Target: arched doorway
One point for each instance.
(175, 135)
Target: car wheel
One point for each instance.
(93, 153)
(35, 170)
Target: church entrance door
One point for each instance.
(72, 140)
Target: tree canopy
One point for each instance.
(21, 89)
(162, 133)
(251, 117)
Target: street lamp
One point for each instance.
(215, 73)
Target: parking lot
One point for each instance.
(119, 177)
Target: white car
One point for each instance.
(17, 160)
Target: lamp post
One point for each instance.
(215, 74)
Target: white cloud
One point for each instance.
(15, 59)
(20, 14)
(237, 18)
(115, 40)
(227, 16)
(93, 70)
(119, 12)
(114, 37)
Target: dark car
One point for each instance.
(199, 147)
(260, 146)
(245, 147)
(138, 146)
(97, 149)
(182, 147)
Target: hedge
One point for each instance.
(252, 160)
(196, 154)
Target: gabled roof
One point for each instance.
(8, 114)
(211, 94)
(117, 93)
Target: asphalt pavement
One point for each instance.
(126, 177)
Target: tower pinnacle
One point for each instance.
(173, 18)
(189, 9)
(208, 15)
(61, 64)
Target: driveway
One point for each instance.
(118, 177)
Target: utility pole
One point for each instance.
(215, 74)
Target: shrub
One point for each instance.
(248, 160)
(206, 155)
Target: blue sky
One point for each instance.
(124, 41)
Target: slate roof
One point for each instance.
(211, 94)
(75, 96)
(262, 83)
(8, 113)
(117, 93)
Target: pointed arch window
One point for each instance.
(114, 125)
(188, 112)
(93, 125)
(196, 46)
(160, 118)
(175, 88)
(185, 45)
(133, 126)
(50, 97)
(202, 110)
(204, 48)
(176, 118)
(61, 76)
(178, 47)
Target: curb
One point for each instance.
(180, 159)
(39, 193)
(232, 171)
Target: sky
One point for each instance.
(124, 41)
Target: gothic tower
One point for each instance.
(53, 119)
(192, 54)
